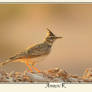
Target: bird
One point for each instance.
(35, 53)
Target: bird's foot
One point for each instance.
(30, 71)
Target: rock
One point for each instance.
(88, 73)
(37, 77)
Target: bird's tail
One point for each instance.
(5, 62)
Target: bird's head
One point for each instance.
(51, 36)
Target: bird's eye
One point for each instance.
(51, 36)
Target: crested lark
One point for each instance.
(34, 53)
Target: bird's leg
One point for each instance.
(35, 68)
(28, 65)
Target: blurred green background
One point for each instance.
(24, 24)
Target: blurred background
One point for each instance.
(24, 24)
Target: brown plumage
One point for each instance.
(34, 53)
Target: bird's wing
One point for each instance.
(37, 50)
(34, 51)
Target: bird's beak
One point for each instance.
(59, 37)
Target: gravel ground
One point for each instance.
(52, 75)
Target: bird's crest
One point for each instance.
(50, 33)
